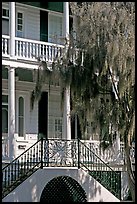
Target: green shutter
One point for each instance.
(53, 6)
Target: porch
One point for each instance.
(32, 50)
(113, 156)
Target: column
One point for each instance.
(11, 86)
(66, 113)
(12, 28)
(11, 111)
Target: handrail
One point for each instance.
(33, 41)
(21, 167)
(97, 156)
(48, 152)
(99, 170)
(20, 155)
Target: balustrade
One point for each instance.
(69, 148)
(31, 49)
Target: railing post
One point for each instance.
(41, 153)
(78, 154)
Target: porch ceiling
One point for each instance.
(23, 74)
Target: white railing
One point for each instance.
(5, 45)
(5, 146)
(32, 49)
(111, 155)
(27, 49)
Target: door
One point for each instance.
(43, 115)
(44, 26)
(55, 29)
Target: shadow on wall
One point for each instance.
(63, 188)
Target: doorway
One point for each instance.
(63, 189)
(43, 115)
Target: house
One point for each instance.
(30, 30)
(37, 26)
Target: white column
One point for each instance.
(66, 19)
(66, 114)
(12, 29)
(11, 111)
(11, 86)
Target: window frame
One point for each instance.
(50, 16)
(5, 104)
(19, 117)
(20, 33)
(57, 133)
(5, 17)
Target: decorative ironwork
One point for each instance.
(55, 152)
(101, 171)
(60, 153)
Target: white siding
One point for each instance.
(31, 21)
(54, 112)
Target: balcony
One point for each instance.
(31, 50)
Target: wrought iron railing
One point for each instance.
(99, 170)
(21, 167)
(56, 152)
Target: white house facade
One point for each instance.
(31, 30)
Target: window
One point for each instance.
(19, 24)
(4, 114)
(5, 21)
(55, 29)
(21, 117)
(5, 13)
(58, 128)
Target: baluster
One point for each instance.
(42, 51)
(37, 153)
(52, 48)
(30, 157)
(21, 168)
(18, 169)
(27, 49)
(34, 54)
(16, 48)
(30, 55)
(15, 171)
(2, 45)
(27, 160)
(39, 50)
(20, 54)
(5, 181)
(25, 164)
(47, 53)
(12, 177)
(6, 46)
(8, 182)
(34, 156)
(23, 44)
(36, 50)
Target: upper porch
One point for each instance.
(29, 51)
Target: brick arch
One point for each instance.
(63, 188)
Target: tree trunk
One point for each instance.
(127, 143)
(130, 173)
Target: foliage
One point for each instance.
(99, 67)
